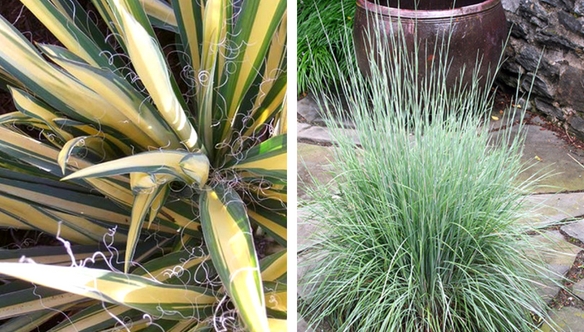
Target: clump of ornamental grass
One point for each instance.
(418, 230)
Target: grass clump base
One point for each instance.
(418, 230)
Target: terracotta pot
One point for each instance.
(477, 28)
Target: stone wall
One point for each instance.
(552, 30)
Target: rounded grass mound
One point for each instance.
(422, 238)
(418, 230)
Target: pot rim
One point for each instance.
(417, 14)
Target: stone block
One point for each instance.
(576, 122)
(552, 37)
(511, 5)
(567, 319)
(571, 87)
(540, 86)
(507, 79)
(529, 57)
(548, 209)
(575, 230)
(314, 162)
(547, 62)
(579, 7)
(530, 9)
(562, 4)
(570, 22)
(308, 109)
(578, 289)
(548, 107)
(558, 255)
(519, 30)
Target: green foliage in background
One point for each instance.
(419, 229)
(322, 26)
(155, 152)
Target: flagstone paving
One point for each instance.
(558, 202)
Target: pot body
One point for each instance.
(476, 29)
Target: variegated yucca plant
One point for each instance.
(162, 182)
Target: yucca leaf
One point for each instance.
(18, 298)
(276, 296)
(32, 152)
(35, 108)
(189, 167)
(272, 222)
(266, 159)
(12, 118)
(76, 203)
(81, 231)
(95, 318)
(254, 36)
(82, 20)
(55, 255)
(190, 24)
(154, 131)
(53, 86)
(186, 326)
(276, 57)
(274, 205)
(146, 188)
(77, 128)
(282, 119)
(180, 212)
(10, 221)
(228, 237)
(272, 103)
(161, 14)
(158, 202)
(214, 28)
(272, 192)
(7, 80)
(269, 90)
(146, 325)
(133, 291)
(278, 325)
(140, 122)
(274, 267)
(95, 144)
(33, 177)
(32, 321)
(179, 268)
(151, 66)
(69, 33)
